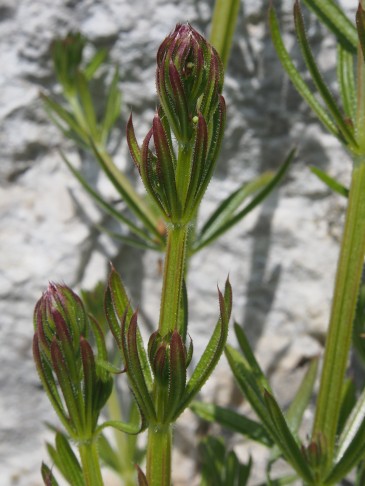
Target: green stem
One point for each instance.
(159, 455)
(174, 269)
(90, 464)
(343, 311)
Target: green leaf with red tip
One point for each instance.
(71, 391)
(180, 102)
(89, 384)
(218, 125)
(47, 476)
(285, 440)
(165, 100)
(199, 159)
(100, 345)
(136, 371)
(296, 78)
(177, 375)
(64, 340)
(347, 132)
(209, 100)
(47, 379)
(212, 353)
(116, 303)
(134, 148)
(167, 162)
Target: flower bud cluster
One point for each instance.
(65, 360)
(188, 126)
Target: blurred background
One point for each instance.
(281, 259)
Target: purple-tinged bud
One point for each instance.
(64, 357)
(315, 453)
(189, 74)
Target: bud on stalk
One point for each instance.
(188, 126)
(64, 357)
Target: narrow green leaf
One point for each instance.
(285, 439)
(223, 26)
(104, 204)
(129, 195)
(345, 129)
(330, 182)
(244, 473)
(254, 202)
(231, 470)
(360, 24)
(108, 455)
(227, 208)
(110, 367)
(331, 14)
(84, 95)
(112, 109)
(212, 352)
(130, 241)
(355, 421)
(347, 404)
(251, 389)
(232, 421)
(346, 80)
(66, 117)
(295, 77)
(260, 377)
(68, 463)
(295, 412)
(95, 62)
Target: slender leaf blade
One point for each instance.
(332, 183)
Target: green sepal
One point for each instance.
(212, 352)
(177, 375)
(233, 421)
(285, 440)
(330, 182)
(135, 370)
(89, 385)
(346, 130)
(332, 15)
(346, 81)
(295, 77)
(71, 391)
(46, 376)
(116, 304)
(66, 461)
(47, 476)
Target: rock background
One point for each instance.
(281, 259)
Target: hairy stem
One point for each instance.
(343, 311)
(174, 269)
(159, 455)
(90, 464)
